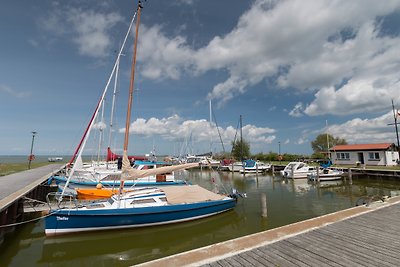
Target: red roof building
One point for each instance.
(383, 154)
(363, 147)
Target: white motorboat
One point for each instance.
(235, 167)
(252, 166)
(297, 169)
(325, 174)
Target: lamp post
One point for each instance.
(279, 154)
(31, 156)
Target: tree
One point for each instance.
(239, 150)
(320, 144)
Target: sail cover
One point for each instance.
(189, 194)
(129, 173)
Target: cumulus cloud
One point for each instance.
(90, 30)
(175, 128)
(375, 130)
(334, 49)
(162, 57)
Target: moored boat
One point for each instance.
(325, 174)
(140, 208)
(252, 166)
(297, 169)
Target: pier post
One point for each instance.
(350, 176)
(264, 205)
(292, 172)
(273, 170)
(318, 174)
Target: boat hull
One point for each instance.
(74, 183)
(65, 221)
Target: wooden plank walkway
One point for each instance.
(360, 236)
(14, 186)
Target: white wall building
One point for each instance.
(385, 154)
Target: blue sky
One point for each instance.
(293, 69)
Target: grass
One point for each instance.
(10, 168)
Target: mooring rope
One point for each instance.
(29, 221)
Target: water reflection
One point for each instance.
(287, 201)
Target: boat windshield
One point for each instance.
(111, 200)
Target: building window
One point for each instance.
(373, 156)
(343, 156)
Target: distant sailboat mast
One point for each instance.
(327, 138)
(211, 139)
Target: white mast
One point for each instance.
(113, 102)
(327, 137)
(101, 131)
(211, 139)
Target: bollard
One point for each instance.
(264, 205)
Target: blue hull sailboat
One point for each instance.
(144, 207)
(141, 206)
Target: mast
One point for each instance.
(210, 126)
(395, 126)
(327, 138)
(131, 87)
(113, 103)
(101, 131)
(241, 140)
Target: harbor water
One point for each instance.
(286, 201)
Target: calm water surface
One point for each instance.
(288, 201)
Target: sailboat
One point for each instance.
(106, 174)
(143, 206)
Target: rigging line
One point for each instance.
(234, 139)
(219, 134)
(219, 178)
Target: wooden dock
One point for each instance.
(360, 236)
(14, 187)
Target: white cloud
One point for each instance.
(93, 30)
(99, 125)
(162, 57)
(287, 141)
(88, 29)
(15, 93)
(297, 110)
(301, 141)
(174, 128)
(332, 48)
(375, 130)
